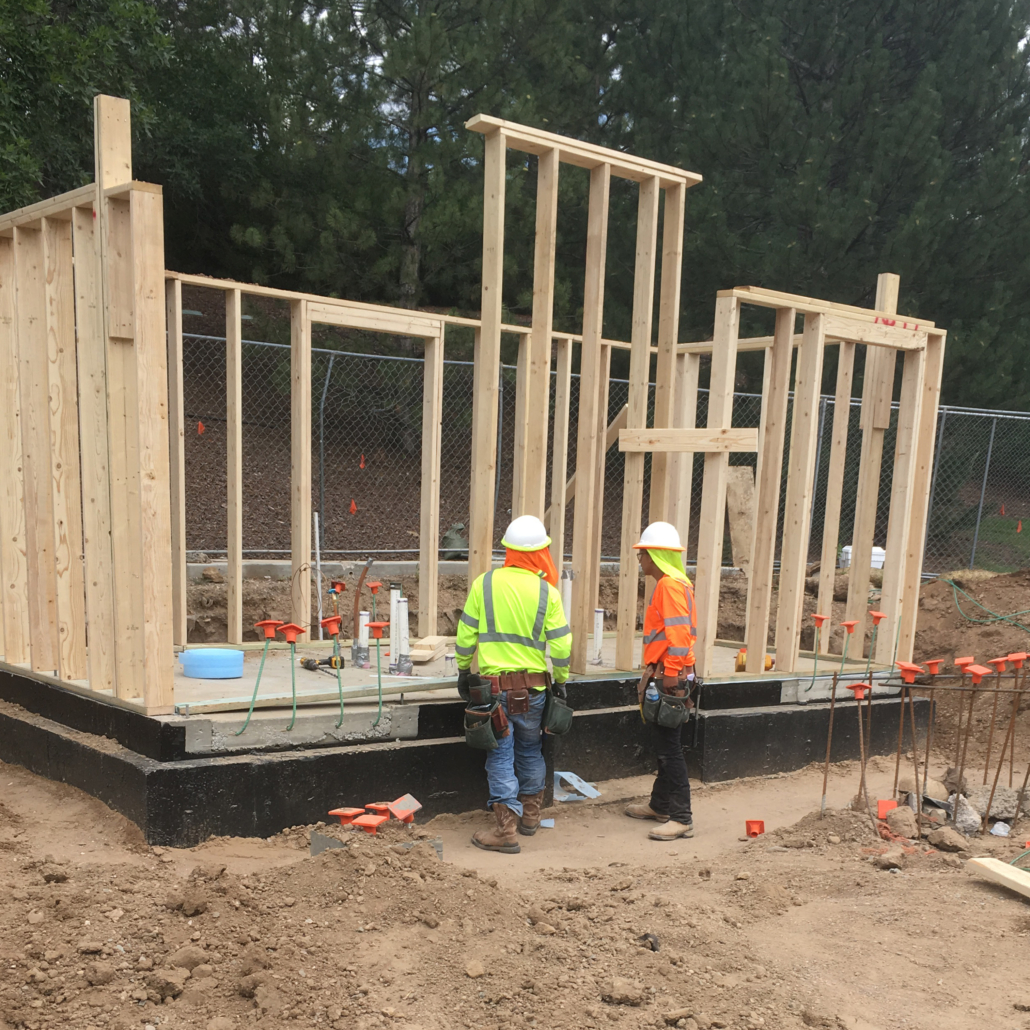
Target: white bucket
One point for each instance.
(879, 556)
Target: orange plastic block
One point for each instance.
(379, 807)
(909, 671)
(404, 808)
(369, 822)
(346, 815)
(753, 827)
(883, 807)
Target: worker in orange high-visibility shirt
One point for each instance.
(670, 629)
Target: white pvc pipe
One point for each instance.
(598, 634)
(363, 620)
(403, 646)
(395, 594)
(566, 593)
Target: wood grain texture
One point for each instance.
(234, 465)
(30, 307)
(639, 373)
(681, 463)
(767, 488)
(63, 391)
(560, 449)
(14, 587)
(663, 441)
(177, 459)
(429, 535)
(300, 464)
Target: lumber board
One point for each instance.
(538, 383)
(930, 389)
(719, 439)
(300, 464)
(776, 393)
(800, 482)
(746, 343)
(521, 429)
(60, 206)
(30, 307)
(835, 482)
(639, 373)
(234, 466)
(999, 872)
(583, 155)
(177, 459)
(903, 485)
(680, 464)
(601, 461)
(151, 367)
(811, 305)
(875, 334)
(429, 530)
(13, 562)
(659, 501)
(713, 494)
(554, 517)
(877, 391)
(63, 392)
(487, 362)
(374, 318)
(592, 380)
(740, 511)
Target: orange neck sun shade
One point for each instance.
(539, 562)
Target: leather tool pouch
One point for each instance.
(557, 719)
(518, 700)
(479, 730)
(500, 722)
(672, 711)
(481, 692)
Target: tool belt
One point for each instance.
(517, 686)
(669, 710)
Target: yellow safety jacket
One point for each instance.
(512, 615)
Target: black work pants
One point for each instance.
(671, 792)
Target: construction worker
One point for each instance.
(512, 614)
(670, 629)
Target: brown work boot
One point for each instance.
(672, 830)
(503, 837)
(644, 811)
(530, 821)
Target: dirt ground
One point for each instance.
(798, 928)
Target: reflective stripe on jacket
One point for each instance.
(512, 615)
(670, 626)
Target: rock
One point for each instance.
(173, 901)
(213, 576)
(194, 903)
(743, 875)
(902, 821)
(833, 838)
(99, 973)
(951, 784)
(818, 1017)
(145, 963)
(53, 874)
(894, 858)
(35, 916)
(248, 985)
(934, 788)
(268, 1001)
(252, 960)
(115, 914)
(90, 948)
(545, 928)
(947, 839)
(1003, 806)
(220, 1023)
(203, 971)
(167, 983)
(967, 819)
(624, 992)
(676, 1015)
(208, 871)
(474, 969)
(431, 921)
(188, 957)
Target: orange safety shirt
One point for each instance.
(670, 626)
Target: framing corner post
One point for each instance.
(713, 495)
(177, 459)
(429, 536)
(767, 487)
(639, 373)
(234, 466)
(487, 361)
(300, 464)
(560, 450)
(680, 464)
(797, 517)
(590, 493)
(877, 392)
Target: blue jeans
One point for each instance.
(516, 766)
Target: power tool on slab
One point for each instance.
(334, 661)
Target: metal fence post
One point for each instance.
(983, 490)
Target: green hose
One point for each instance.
(379, 678)
(995, 617)
(1022, 854)
(339, 684)
(253, 700)
(815, 659)
(293, 682)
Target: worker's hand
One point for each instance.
(464, 675)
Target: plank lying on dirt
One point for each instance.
(1007, 875)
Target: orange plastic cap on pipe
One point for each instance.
(268, 626)
(909, 671)
(374, 585)
(332, 624)
(850, 625)
(291, 631)
(377, 629)
(859, 689)
(998, 663)
(934, 665)
(819, 620)
(1017, 658)
(877, 617)
(964, 663)
(978, 672)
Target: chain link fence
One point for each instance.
(367, 443)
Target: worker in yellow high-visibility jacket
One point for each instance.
(512, 616)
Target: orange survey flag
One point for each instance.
(353, 507)
(200, 429)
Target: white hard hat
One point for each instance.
(661, 536)
(526, 533)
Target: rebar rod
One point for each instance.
(829, 740)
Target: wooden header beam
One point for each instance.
(809, 305)
(583, 155)
(56, 207)
(706, 441)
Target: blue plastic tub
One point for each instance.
(212, 663)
